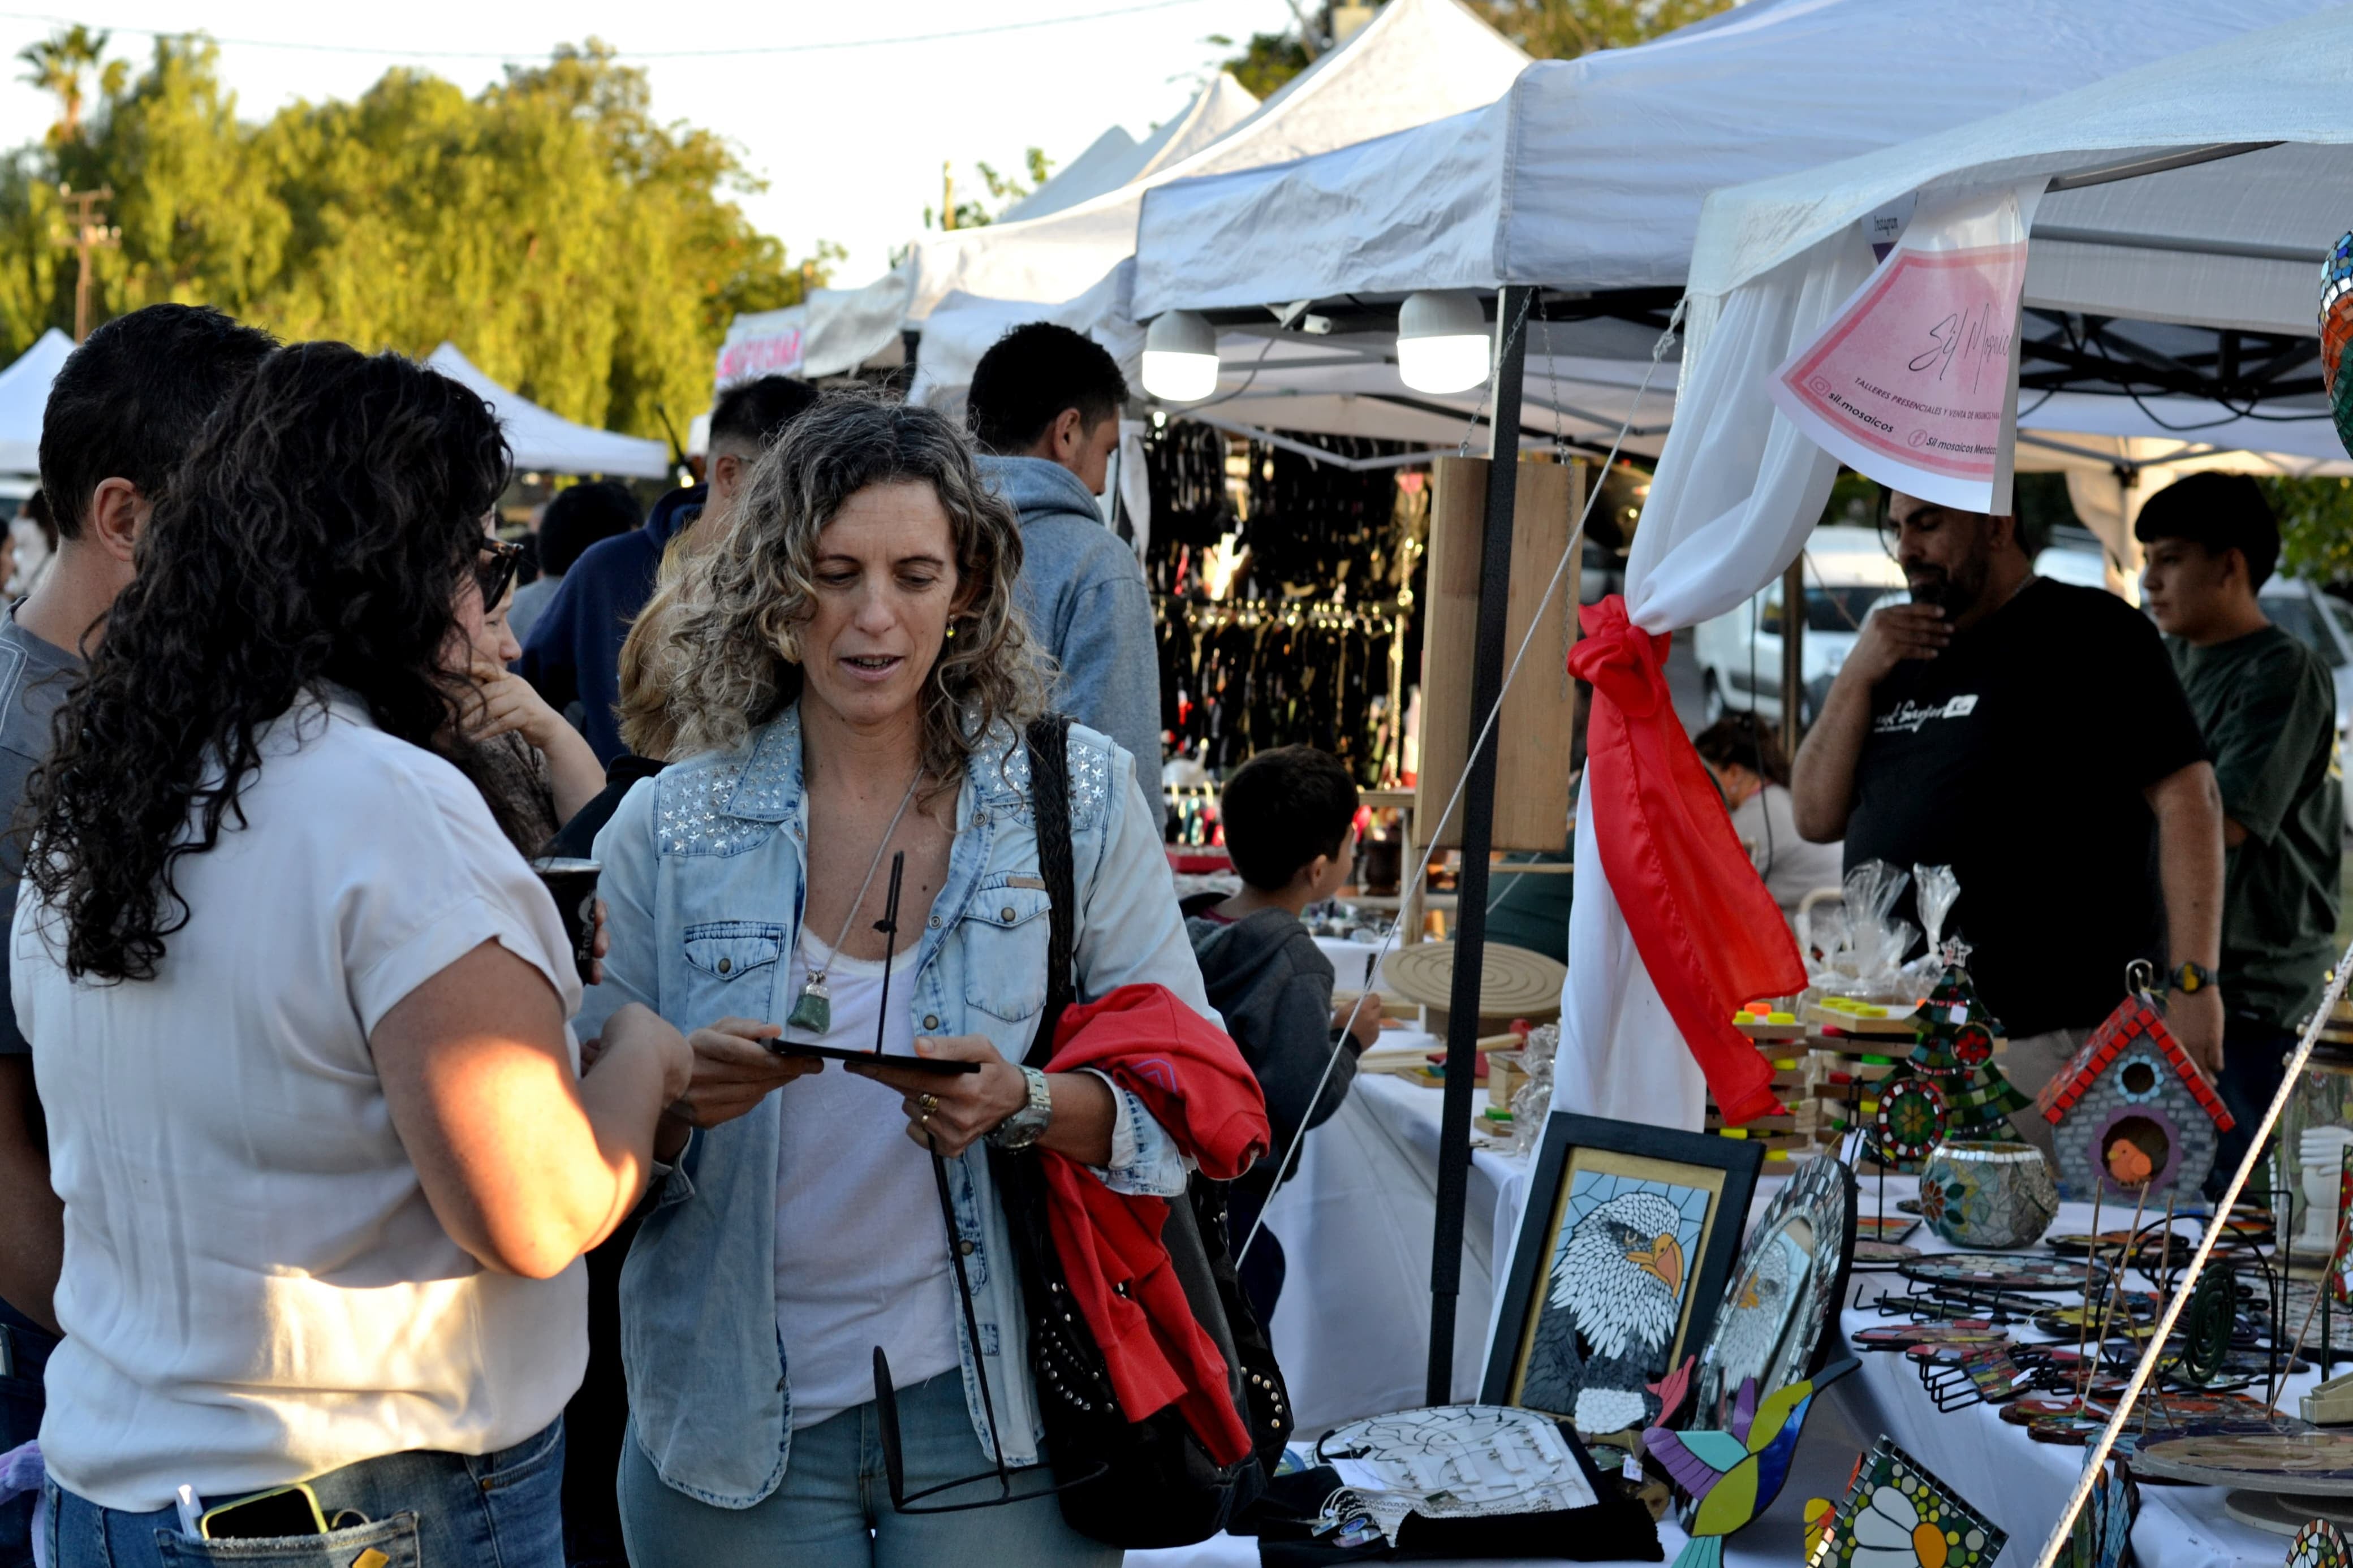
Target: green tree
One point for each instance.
(61, 63)
(1564, 29)
(1266, 61)
(576, 247)
(2315, 519)
(1547, 29)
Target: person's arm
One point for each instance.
(2189, 811)
(1821, 780)
(525, 1165)
(1110, 668)
(1306, 1071)
(510, 702)
(32, 1220)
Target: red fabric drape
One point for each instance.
(1710, 935)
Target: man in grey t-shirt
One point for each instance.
(126, 408)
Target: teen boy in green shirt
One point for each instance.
(2267, 709)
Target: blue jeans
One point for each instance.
(833, 1508)
(27, 1348)
(427, 1511)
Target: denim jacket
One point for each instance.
(703, 870)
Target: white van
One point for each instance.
(1848, 570)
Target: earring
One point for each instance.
(951, 631)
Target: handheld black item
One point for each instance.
(844, 1054)
(280, 1512)
(1132, 1484)
(889, 924)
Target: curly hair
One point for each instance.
(319, 533)
(716, 650)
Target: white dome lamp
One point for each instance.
(1180, 357)
(1443, 344)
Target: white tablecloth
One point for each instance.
(2019, 1483)
(1353, 1330)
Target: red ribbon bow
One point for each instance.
(1710, 936)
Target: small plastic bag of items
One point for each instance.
(1935, 890)
(1531, 1101)
(1858, 950)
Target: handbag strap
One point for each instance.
(1050, 796)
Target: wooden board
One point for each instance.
(1534, 728)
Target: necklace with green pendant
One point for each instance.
(813, 1009)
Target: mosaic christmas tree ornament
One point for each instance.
(1949, 1087)
(1897, 1515)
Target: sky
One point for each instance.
(850, 138)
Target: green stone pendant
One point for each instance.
(814, 1011)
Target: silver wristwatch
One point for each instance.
(1028, 1124)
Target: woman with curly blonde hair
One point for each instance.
(846, 677)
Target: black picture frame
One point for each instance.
(1685, 1168)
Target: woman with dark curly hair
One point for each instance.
(843, 679)
(315, 1112)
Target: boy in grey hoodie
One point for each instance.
(1290, 816)
(1045, 408)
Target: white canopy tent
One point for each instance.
(2201, 189)
(541, 440)
(1589, 174)
(1417, 60)
(1587, 179)
(1116, 159)
(25, 397)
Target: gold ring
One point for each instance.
(930, 1102)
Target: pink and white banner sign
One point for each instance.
(768, 343)
(1914, 381)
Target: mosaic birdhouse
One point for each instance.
(2132, 1109)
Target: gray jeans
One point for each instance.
(2029, 1064)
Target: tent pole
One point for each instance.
(1511, 308)
(1793, 654)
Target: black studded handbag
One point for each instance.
(1156, 1485)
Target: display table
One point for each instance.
(2019, 1483)
(1356, 1225)
(1353, 1331)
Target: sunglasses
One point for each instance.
(496, 573)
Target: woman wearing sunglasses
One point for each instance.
(299, 1009)
(841, 682)
(539, 764)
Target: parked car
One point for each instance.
(1848, 570)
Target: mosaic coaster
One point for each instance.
(2000, 1271)
(1903, 1336)
(2318, 1546)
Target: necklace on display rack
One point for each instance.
(813, 1010)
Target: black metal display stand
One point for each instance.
(1512, 310)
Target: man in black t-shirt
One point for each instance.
(2033, 736)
